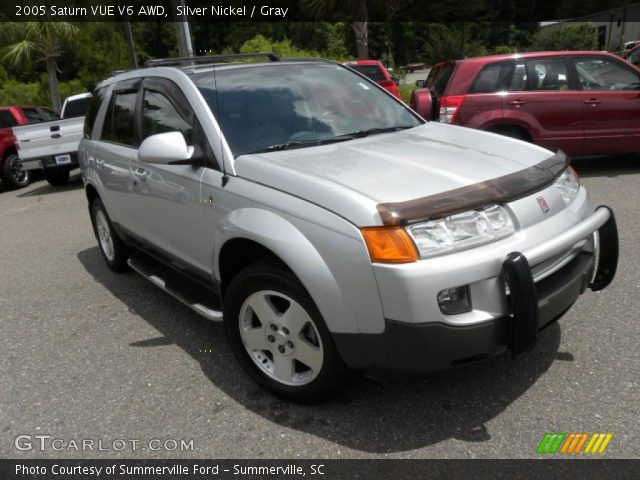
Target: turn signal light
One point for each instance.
(389, 245)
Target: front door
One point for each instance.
(610, 99)
(167, 198)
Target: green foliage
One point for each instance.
(565, 36)
(451, 42)
(102, 48)
(14, 92)
(286, 49)
(503, 50)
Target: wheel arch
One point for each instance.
(503, 127)
(249, 234)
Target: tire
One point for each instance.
(278, 335)
(57, 178)
(13, 175)
(113, 249)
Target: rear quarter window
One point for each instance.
(119, 122)
(76, 108)
(492, 78)
(92, 111)
(439, 79)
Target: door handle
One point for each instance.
(56, 135)
(141, 173)
(593, 102)
(517, 103)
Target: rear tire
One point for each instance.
(113, 249)
(13, 175)
(278, 335)
(57, 178)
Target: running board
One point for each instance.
(193, 294)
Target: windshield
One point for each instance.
(265, 106)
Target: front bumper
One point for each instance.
(531, 305)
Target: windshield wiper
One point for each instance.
(374, 131)
(306, 143)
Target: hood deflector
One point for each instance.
(498, 190)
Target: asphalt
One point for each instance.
(89, 354)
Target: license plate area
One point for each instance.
(62, 159)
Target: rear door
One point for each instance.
(543, 97)
(117, 148)
(610, 98)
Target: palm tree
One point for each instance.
(41, 42)
(358, 16)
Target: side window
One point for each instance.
(159, 115)
(604, 74)
(76, 108)
(518, 80)
(634, 58)
(492, 78)
(48, 115)
(33, 116)
(119, 123)
(92, 111)
(547, 74)
(7, 120)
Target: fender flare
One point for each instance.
(292, 247)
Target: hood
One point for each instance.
(352, 178)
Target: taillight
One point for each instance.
(449, 107)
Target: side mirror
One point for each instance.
(420, 83)
(396, 81)
(169, 148)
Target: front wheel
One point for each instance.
(57, 177)
(13, 175)
(279, 336)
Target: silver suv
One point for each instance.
(329, 226)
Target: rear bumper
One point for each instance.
(49, 162)
(423, 347)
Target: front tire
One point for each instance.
(57, 178)
(278, 335)
(13, 175)
(113, 249)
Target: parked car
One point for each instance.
(580, 102)
(11, 171)
(53, 146)
(376, 71)
(330, 227)
(633, 56)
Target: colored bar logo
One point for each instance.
(573, 443)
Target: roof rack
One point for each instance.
(206, 58)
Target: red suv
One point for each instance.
(11, 172)
(583, 103)
(376, 71)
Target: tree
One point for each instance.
(565, 36)
(359, 17)
(42, 42)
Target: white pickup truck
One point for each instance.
(53, 146)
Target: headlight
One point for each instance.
(568, 184)
(462, 230)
